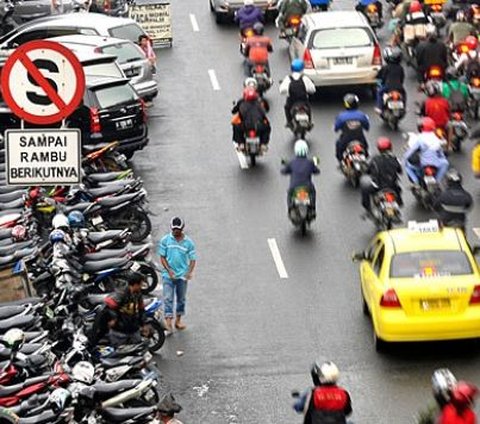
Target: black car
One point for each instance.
(111, 111)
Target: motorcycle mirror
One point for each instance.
(316, 160)
(358, 256)
(295, 394)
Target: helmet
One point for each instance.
(460, 16)
(83, 371)
(453, 176)
(415, 6)
(383, 144)
(134, 277)
(14, 338)
(258, 28)
(432, 88)
(472, 42)
(177, 223)
(350, 101)
(250, 82)
(427, 124)
(248, 2)
(19, 233)
(58, 399)
(56, 236)
(76, 219)
(393, 54)
(250, 94)
(463, 394)
(451, 73)
(297, 65)
(327, 372)
(301, 148)
(168, 405)
(443, 381)
(60, 221)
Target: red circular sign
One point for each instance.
(42, 98)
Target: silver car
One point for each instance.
(28, 10)
(224, 9)
(130, 57)
(338, 48)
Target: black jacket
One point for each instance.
(431, 53)
(392, 76)
(453, 204)
(128, 309)
(253, 115)
(384, 170)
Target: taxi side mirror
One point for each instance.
(359, 256)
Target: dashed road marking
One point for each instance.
(277, 258)
(194, 22)
(213, 79)
(242, 159)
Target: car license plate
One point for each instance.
(395, 105)
(342, 61)
(96, 220)
(434, 304)
(124, 124)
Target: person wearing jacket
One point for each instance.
(454, 202)
(435, 106)
(257, 49)
(460, 29)
(460, 410)
(455, 91)
(248, 15)
(301, 170)
(431, 52)
(289, 8)
(252, 116)
(351, 123)
(362, 5)
(391, 76)
(430, 150)
(297, 87)
(326, 402)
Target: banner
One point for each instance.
(155, 18)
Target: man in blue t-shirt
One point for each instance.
(178, 258)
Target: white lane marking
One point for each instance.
(282, 272)
(242, 159)
(194, 22)
(213, 79)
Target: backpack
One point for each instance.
(297, 92)
(456, 99)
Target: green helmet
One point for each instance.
(301, 148)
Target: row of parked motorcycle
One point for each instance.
(77, 245)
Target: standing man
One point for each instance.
(178, 258)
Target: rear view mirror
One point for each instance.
(359, 256)
(295, 394)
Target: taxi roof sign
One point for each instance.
(430, 226)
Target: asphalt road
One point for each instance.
(252, 335)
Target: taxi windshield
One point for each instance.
(430, 263)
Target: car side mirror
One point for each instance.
(295, 394)
(359, 256)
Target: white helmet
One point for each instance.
(301, 148)
(443, 382)
(60, 221)
(327, 372)
(83, 371)
(58, 399)
(14, 338)
(250, 82)
(248, 2)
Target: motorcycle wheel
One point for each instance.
(354, 181)
(151, 277)
(253, 160)
(136, 220)
(303, 228)
(157, 338)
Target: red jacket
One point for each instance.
(450, 415)
(438, 109)
(257, 48)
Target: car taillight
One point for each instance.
(307, 59)
(390, 299)
(377, 55)
(95, 126)
(144, 111)
(475, 299)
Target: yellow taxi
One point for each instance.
(420, 283)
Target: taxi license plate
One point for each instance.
(339, 61)
(395, 105)
(124, 124)
(434, 304)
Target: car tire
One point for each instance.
(380, 345)
(219, 18)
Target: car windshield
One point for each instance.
(125, 52)
(109, 69)
(430, 263)
(335, 38)
(115, 95)
(127, 32)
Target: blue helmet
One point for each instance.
(57, 235)
(76, 219)
(297, 65)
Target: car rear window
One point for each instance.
(108, 69)
(125, 52)
(335, 38)
(434, 263)
(115, 95)
(127, 32)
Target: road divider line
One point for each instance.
(277, 258)
(213, 79)
(194, 22)
(242, 159)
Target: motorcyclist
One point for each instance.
(413, 26)
(362, 5)
(391, 76)
(297, 87)
(460, 408)
(429, 53)
(289, 8)
(469, 62)
(301, 170)
(455, 91)
(435, 106)
(454, 202)
(351, 122)
(257, 49)
(429, 149)
(167, 408)
(383, 173)
(326, 402)
(460, 29)
(321, 5)
(248, 15)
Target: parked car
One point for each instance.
(70, 24)
(129, 56)
(28, 10)
(225, 9)
(338, 48)
(110, 111)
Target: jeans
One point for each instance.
(172, 288)
(415, 172)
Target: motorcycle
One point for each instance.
(458, 130)
(301, 211)
(7, 22)
(301, 120)
(373, 16)
(291, 28)
(385, 210)
(436, 12)
(354, 163)
(434, 73)
(429, 189)
(264, 82)
(393, 109)
(473, 101)
(244, 35)
(252, 146)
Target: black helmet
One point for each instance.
(258, 28)
(350, 101)
(453, 177)
(393, 54)
(451, 73)
(168, 405)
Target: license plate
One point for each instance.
(149, 395)
(96, 220)
(124, 124)
(395, 104)
(147, 356)
(342, 60)
(49, 313)
(434, 304)
(253, 141)
(290, 31)
(301, 117)
(429, 180)
(135, 267)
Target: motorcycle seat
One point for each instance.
(121, 360)
(30, 335)
(117, 200)
(13, 195)
(8, 189)
(78, 207)
(27, 349)
(121, 414)
(8, 390)
(98, 237)
(5, 233)
(115, 386)
(13, 247)
(27, 300)
(6, 212)
(106, 254)
(7, 260)
(105, 176)
(96, 299)
(13, 204)
(9, 311)
(105, 190)
(16, 321)
(95, 266)
(27, 251)
(44, 417)
(123, 183)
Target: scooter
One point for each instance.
(354, 163)
(393, 109)
(385, 210)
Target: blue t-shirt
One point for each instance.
(178, 254)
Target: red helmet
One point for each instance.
(472, 42)
(249, 94)
(415, 6)
(384, 143)
(463, 394)
(428, 125)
